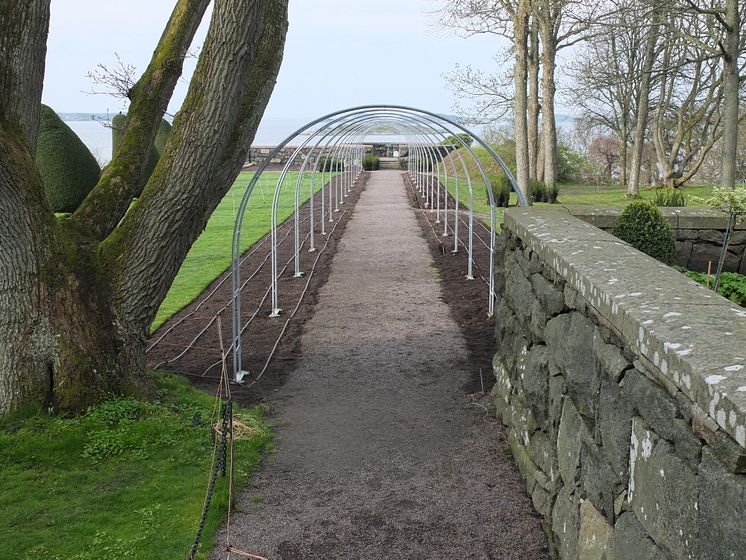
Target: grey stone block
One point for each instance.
(663, 493)
(597, 479)
(572, 434)
(533, 369)
(550, 295)
(610, 357)
(652, 401)
(566, 523)
(518, 290)
(659, 411)
(543, 452)
(722, 506)
(630, 542)
(594, 535)
(538, 322)
(615, 426)
(683, 253)
(557, 391)
(569, 338)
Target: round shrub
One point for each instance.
(164, 130)
(643, 226)
(68, 169)
(118, 124)
(371, 163)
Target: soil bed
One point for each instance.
(202, 362)
(467, 299)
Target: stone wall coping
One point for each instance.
(679, 218)
(696, 338)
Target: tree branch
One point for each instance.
(205, 150)
(122, 178)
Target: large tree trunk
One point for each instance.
(521, 29)
(633, 187)
(533, 99)
(75, 314)
(730, 95)
(548, 56)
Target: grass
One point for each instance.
(210, 255)
(125, 480)
(572, 194)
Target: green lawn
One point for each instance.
(125, 480)
(210, 255)
(572, 194)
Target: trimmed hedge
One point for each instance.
(643, 226)
(371, 163)
(117, 132)
(68, 169)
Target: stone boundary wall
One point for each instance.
(622, 386)
(699, 234)
(257, 153)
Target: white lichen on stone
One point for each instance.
(714, 379)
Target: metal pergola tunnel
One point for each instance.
(334, 146)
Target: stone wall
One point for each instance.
(622, 386)
(257, 153)
(699, 234)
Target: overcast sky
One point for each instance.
(339, 53)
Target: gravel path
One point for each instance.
(378, 452)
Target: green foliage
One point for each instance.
(538, 191)
(570, 164)
(125, 480)
(553, 194)
(732, 284)
(327, 164)
(68, 169)
(118, 124)
(501, 189)
(371, 162)
(643, 226)
(669, 197)
(729, 200)
(458, 140)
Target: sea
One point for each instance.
(95, 132)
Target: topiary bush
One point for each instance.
(68, 169)
(643, 226)
(371, 163)
(118, 124)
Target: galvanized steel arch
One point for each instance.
(409, 122)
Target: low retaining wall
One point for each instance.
(699, 234)
(622, 385)
(257, 153)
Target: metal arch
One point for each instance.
(389, 118)
(373, 111)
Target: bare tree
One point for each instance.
(509, 19)
(79, 295)
(687, 120)
(730, 47)
(606, 78)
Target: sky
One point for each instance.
(339, 53)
